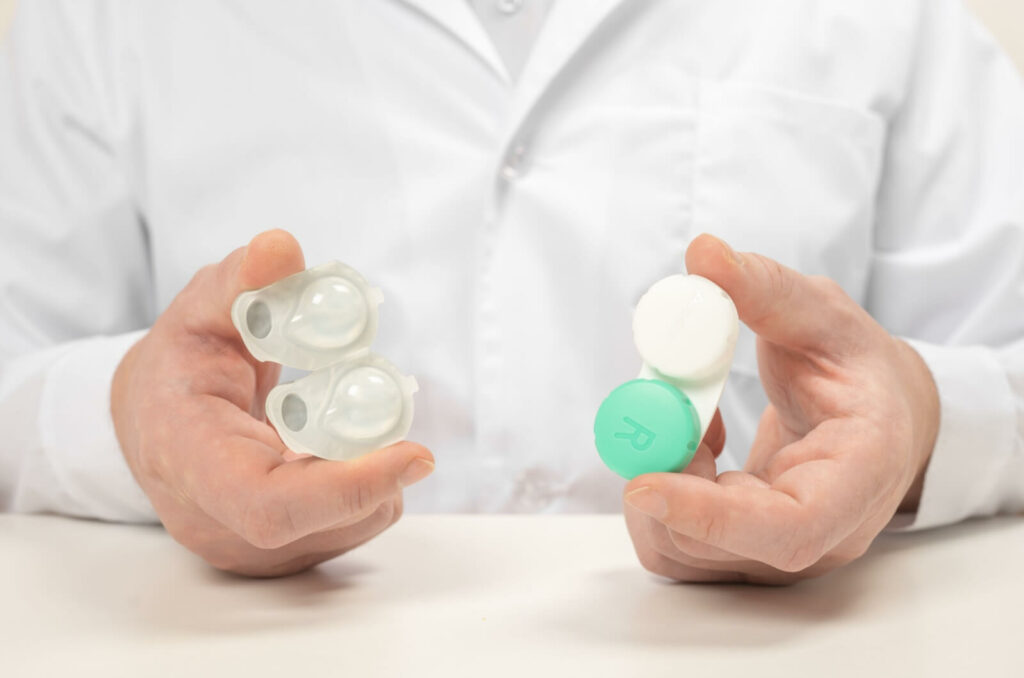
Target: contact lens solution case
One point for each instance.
(685, 329)
(324, 320)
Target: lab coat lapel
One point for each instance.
(566, 29)
(457, 17)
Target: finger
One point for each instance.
(669, 560)
(776, 302)
(832, 433)
(747, 571)
(752, 523)
(702, 464)
(789, 526)
(639, 527)
(742, 478)
(343, 537)
(246, 485)
(663, 566)
(768, 440)
(701, 554)
(237, 556)
(674, 545)
(392, 506)
(309, 495)
(269, 257)
(715, 437)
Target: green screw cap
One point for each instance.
(646, 426)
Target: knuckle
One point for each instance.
(265, 525)
(652, 561)
(779, 280)
(847, 553)
(357, 499)
(669, 541)
(383, 516)
(802, 554)
(710, 528)
(797, 561)
(397, 509)
(678, 540)
(216, 546)
(692, 551)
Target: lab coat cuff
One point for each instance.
(77, 433)
(975, 438)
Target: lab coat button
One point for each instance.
(513, 168)
(509, 6)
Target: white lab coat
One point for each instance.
(512, 226)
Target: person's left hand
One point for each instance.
(843, 444)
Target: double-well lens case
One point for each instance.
(324, 319)
(685, 328)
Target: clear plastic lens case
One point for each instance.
(311, 319)
(344, 411)
(324, 319)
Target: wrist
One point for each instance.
(924, 406)
(121, 399)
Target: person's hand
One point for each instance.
(187, 403)
(843, 445)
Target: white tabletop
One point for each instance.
(501, 595)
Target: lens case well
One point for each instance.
(311, 319)
(324, 320)
(685, 328)
(344, 411)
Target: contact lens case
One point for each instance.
(324, 320)
(685, 329)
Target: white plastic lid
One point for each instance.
(685, 327)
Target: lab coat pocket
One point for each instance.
(791, 177)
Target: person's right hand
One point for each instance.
(187, 403)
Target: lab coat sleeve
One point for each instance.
(74, 273)
(948, 265)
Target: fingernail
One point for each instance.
(648, 501)
(731, 255)
(418, 469)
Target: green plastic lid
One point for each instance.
(646, 426)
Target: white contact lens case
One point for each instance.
(685, 328)
(324, 319)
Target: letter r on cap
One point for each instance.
(641, 437)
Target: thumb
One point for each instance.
(779, 304)
(267, 258)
